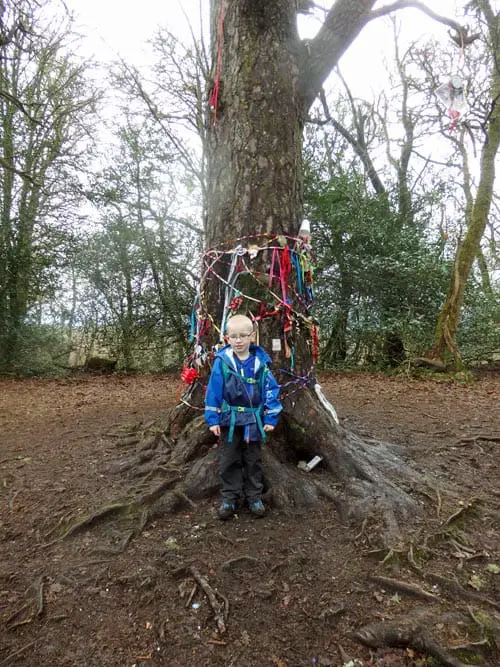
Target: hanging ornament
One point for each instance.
(452, 95)
(305, 231)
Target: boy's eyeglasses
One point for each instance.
(239, 336)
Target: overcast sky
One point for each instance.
(121, 27)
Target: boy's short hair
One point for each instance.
(241, 320)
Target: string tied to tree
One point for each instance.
(289, 263)
(213, 101)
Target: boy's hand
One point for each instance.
(215, 429)
(268, 428)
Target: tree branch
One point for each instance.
(358, 145)
(342, 25)
(415, 4)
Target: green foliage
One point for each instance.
(479, 332)
(375, 275)
(45, 103)
(41, 350)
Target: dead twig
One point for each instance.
(39, 596)
(239, 560)
(362, 531)
(405, 587)
(11, 657)
(475, 438)
(221, 610)
(11, 501)
(191, 595)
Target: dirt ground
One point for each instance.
(298, 584)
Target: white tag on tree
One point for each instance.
(276, 345)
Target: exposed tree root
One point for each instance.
(407, 632)
(454, 589)
(29, 610)
(364, 478)
(374, 475)
(466, 507)
(87, 522)
(405, 587)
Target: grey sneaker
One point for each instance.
(257, 508)
(226, 511)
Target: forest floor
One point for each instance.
(297, 583)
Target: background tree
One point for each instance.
(478, 207)
(45, 105)
(142, 262)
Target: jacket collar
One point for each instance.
(261, 356)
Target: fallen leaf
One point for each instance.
(278, 662)
(476, 582)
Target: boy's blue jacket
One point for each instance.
(242, 393)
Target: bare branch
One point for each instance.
(343, 23)
(415, 4)
(357, 143)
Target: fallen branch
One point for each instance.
(221, 609)
(404, 587)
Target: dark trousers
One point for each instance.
(240, 467)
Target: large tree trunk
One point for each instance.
(255, 189)
(266, 80)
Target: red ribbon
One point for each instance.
(189, 375)
(214, 93)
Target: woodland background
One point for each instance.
(101, 206)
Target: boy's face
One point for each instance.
(240, 336)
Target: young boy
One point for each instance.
(241, 406)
